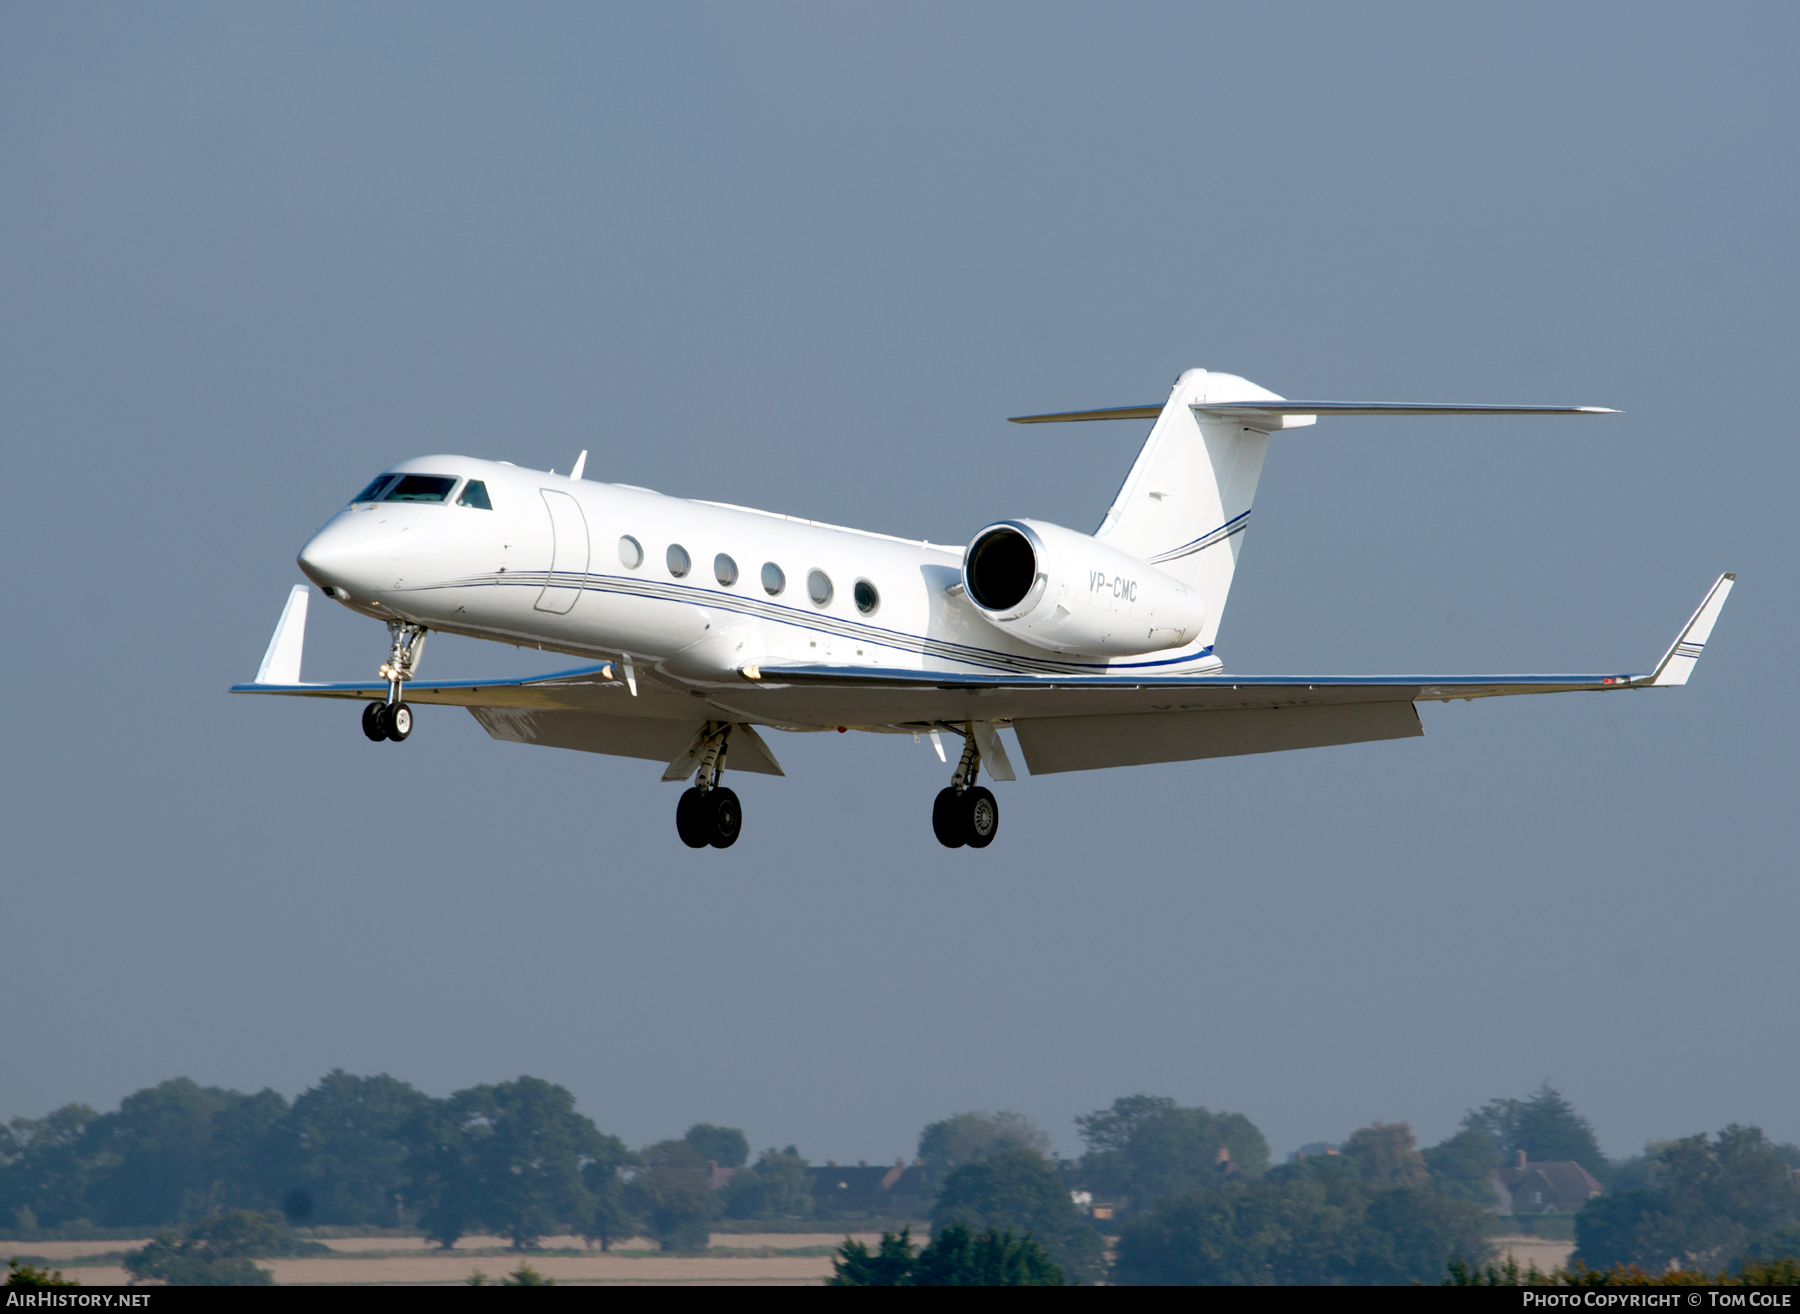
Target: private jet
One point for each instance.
(699, 624)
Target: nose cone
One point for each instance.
(345, 555)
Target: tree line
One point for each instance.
(1188, 1194)
(513, 1158)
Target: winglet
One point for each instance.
(281, 663)
(1678, 662)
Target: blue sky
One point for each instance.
(808, 257)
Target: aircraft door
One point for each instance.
(568, 553)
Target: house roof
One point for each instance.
(1559, 1179)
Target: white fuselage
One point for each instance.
(550, 565)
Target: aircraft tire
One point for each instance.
(375, 721)
(981, 816)
(947, 821)
(691, 821)
(399, 722)
(726, 815)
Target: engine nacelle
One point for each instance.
(1068, 592)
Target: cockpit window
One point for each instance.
(373, 491)
(475, 495)
(420, 488)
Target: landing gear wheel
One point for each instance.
(692, 820)
(375, 724)
(981, 817)
(947, 821)
(727, 818)
(399, 722)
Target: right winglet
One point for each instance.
(281, 663)
(1678, 662)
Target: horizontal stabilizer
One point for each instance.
(1276, 408)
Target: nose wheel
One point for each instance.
(709, 814)
(384, 721)
(393, 719)
(966, 813)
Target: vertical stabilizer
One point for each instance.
(1186, 502)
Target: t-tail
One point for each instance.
(1186, 503)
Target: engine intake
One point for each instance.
(1069, 592)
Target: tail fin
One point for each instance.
(1186, 502)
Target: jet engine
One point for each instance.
(1069, 592)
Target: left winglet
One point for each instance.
(1678, 662)
(281, 663)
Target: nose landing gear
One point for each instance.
(709, 813)
(393, 719)
(966, 813)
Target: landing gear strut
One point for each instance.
(393, 719)
(966, 813)
(709, 813)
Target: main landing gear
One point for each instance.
(966, 813)
(709, 813)
(393, 719)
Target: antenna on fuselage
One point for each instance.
(580, 465)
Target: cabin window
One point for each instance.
(867, 599)
(373, 491)
(631, 553)
(420, 488)
(724, 570)
(773, 580)
(818, 587)
(679, 564)
(475, 495)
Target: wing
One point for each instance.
(1077, 723)
(599, 708)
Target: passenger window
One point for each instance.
(773, 580)
(475, 495)
(373, 491)
(631, 552)
(867, 599)
(679, 564)
(818, 587)
(724, 570)
(420, 488)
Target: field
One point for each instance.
(801, 1259)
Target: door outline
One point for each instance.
(569, 548)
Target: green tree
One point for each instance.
(673, 1195)
(1714, 1202)
(28, 1277)
(777, 1187)
(346, 1144)
(608, 1219)
(724, 1146)
(47, 1168)
(1314, 1223)
(890, 1266)
(1147, 1147)
(1386, 1153)
(1463, 1165)
(965, 1137)
(161, 1155)
(215, 1252)
(955, 1258)
(1546, 1127)
(508, 1157)
(244, 1163)
(1018, 1190)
